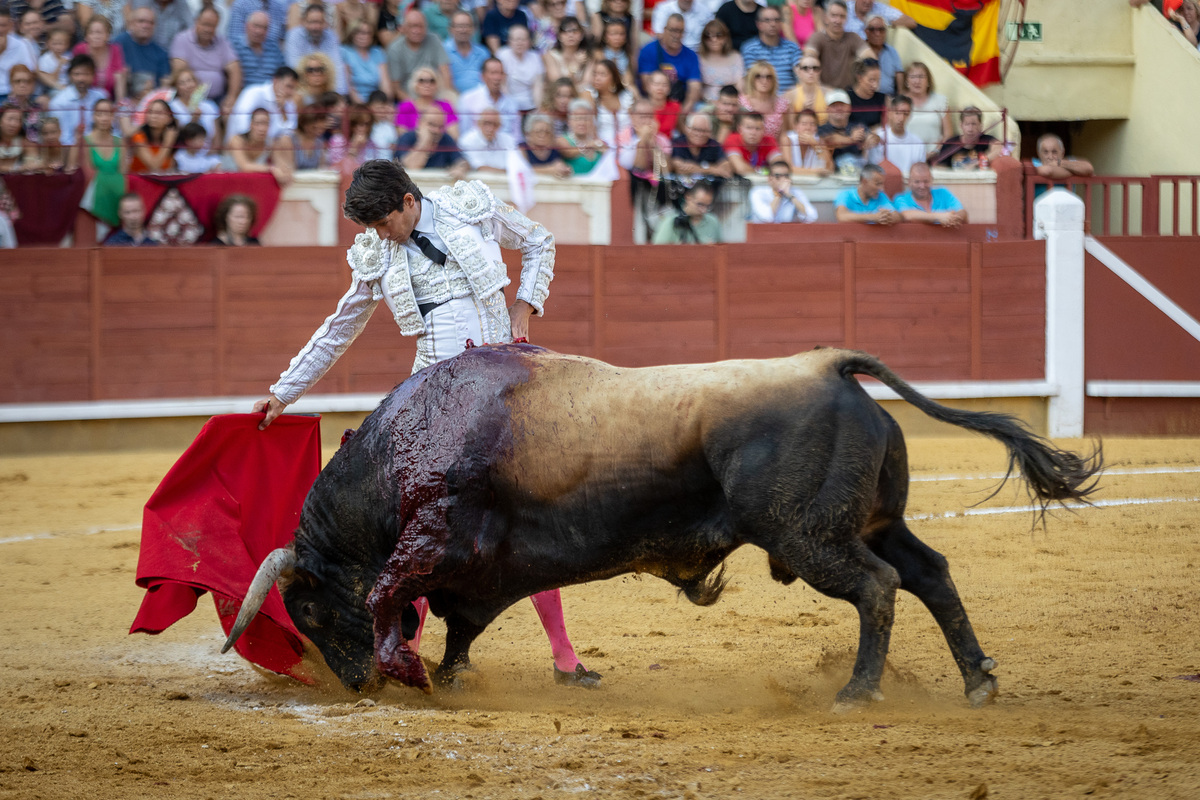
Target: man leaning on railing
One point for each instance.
(1053, 163)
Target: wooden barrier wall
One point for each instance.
(1128, 339)
(123, 323)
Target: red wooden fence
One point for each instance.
(1127, 206)
(121, 323)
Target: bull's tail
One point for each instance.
(1052, 475)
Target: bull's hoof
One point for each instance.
(852, 699)
(984, 688)
(453, 679)
(580, 677)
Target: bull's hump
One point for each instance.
(579, 420)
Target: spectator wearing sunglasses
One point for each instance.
(779, 201)
(314, 36)
(891, 68)
(861, 12)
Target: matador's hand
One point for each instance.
(273, 408)
(519, 315)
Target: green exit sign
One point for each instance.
(1024, 31)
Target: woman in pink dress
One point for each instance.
(801, 21)
(423, 90)
(110, 60)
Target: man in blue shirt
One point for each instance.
(1052, 162)
(277, 13)
(867, 203)
(503, 16)
(142, 53)
(770, 46)
(258, 54)
(132, 232)
(924, 202)
(679, 63)
(466, 56)
(430, 147)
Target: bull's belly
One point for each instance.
(677, 527)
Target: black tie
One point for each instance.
(431, 252)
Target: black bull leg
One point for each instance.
(925, 573)
(460, 633)
(847, 570)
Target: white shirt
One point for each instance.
(694, 19)
(473, 101)
(761, 198)
(903, 151)
(425, 227)
(800, 160)
(260, 95)
(15, 52)
(209, 114)
(610, 125)
(35, 52)
(479, 152)
(67, 106)
(859, 26)
(523, 74)
(49, 63)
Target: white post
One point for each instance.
(1058, 218)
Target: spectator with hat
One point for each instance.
(849, 141)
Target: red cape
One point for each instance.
(231, 498)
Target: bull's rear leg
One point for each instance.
(925, 573)
(849, 571)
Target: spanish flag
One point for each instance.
(964, 32)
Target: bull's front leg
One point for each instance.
(399, 585)
(393, 656)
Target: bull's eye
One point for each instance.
(309, 610)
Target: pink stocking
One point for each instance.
(422, 606)
(550, 612)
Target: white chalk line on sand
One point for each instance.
(972, 512)
(983, 512)
(995, 476)
(28, 537)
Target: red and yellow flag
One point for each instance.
(964, 32)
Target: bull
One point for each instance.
(511, 470)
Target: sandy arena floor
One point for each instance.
(1093, 622)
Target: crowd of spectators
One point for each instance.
(700, 92)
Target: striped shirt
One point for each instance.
(50, 9)
(782, 57)
(258, 67)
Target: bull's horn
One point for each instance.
(274, 565)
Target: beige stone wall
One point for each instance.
(1159, 137)
(1083, 69)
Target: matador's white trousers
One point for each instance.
(450, 325)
